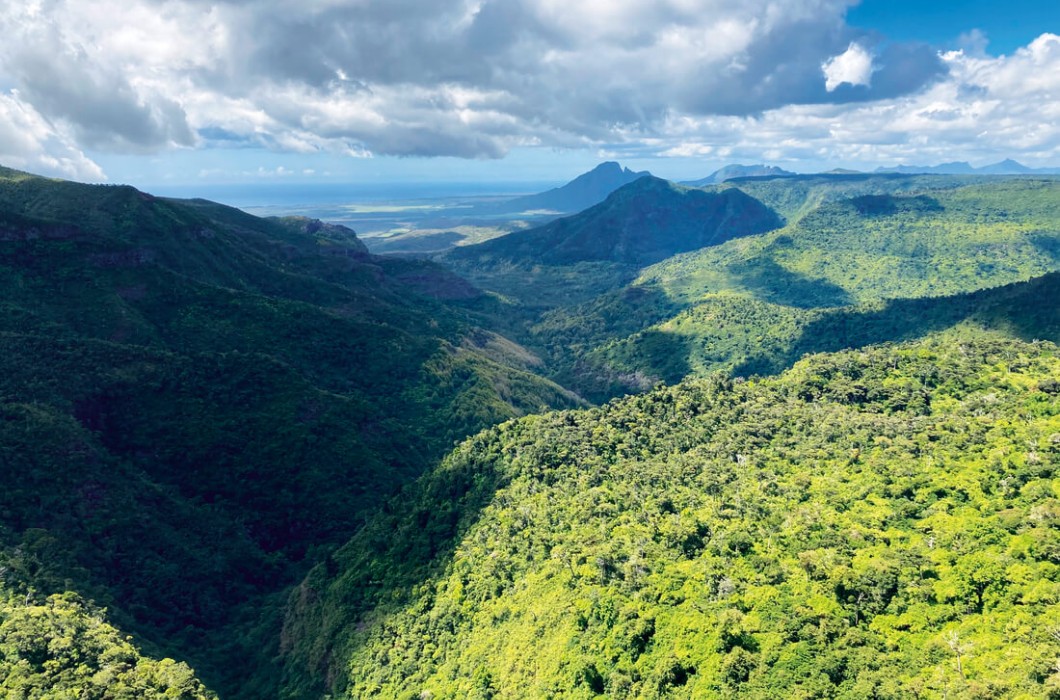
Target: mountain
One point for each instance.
(730, 172)
(241, 446)
(60, 647)
(197, 404)
(954, 168)
(476, 222)
(643, 222)
(872, 523)
(580, 193)
(748, 336)
(1008, 167)
(868, 247)
(794, 196)
(756, 303)
(1005, 167)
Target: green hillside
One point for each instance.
(199, 404)
(879, 523)
(744, 336)
(883, 246)
(641, 223)
(62, 648)
(745, 302)
(603, 248)
(794, 196)
(227, 437)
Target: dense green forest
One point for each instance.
(250, 448)
(197, 403)
(62, 648)
(794, 196)
(745, 336)
(878, 523)
(917, 237)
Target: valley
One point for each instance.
(773, 435)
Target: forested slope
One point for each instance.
(643, 222)
(878, 523)
(62, 648)
(198, 406)
(604, 247)
(793, 196)
(198, 403)
(745, 303)
(745, 336)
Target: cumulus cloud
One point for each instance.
(29, 142)
(469, 78)
(853, 67)
(986, 108)
(68, 76)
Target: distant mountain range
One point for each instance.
(643, 222)
(490, 220)
(1005, 167)
(730, 172)
(580, 193)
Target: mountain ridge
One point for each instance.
(643, 222)
(1004, 167)
(582, 192)
(733, 171)
(201, 402)
(759, 539)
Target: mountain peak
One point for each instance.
(1005, 167)
(736, 170)
(580, 193)
(607, 167)
(643, 222)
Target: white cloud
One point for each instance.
(853, 67)
(475, 78)
(73, 66)
(29, 142)
(408, 77)
(988, 108)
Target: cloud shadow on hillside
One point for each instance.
(1025, 310)
(776, 284)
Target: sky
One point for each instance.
(197, 94)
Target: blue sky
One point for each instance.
(1008, 25)
(191, 94)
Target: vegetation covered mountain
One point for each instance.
(794, 196)
(198, 406)
(877, 523)
(476, 221)
(745, 336)
(730, 172)
(876, 246)
(580, 193)
(197, 403)
(62, 648)
(756, 303)
(639, 224)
